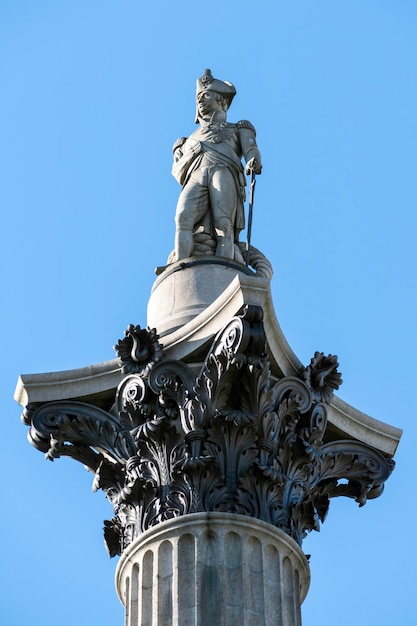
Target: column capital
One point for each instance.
(223, 436)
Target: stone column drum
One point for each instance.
(213, 569)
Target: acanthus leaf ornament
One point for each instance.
(231, 438)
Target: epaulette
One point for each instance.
(246, 124)
(179, 143)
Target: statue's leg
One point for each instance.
(223, 201)
(191, 207)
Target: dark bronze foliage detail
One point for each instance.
(230, 439)
(322, 376)
(139, 350)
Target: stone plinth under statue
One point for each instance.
(216, 447)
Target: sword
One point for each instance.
(250, 213)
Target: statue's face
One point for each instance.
(207, 103)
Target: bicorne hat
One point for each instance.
(206, 82)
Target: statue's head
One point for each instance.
(209, 88)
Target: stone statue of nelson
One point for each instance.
(208, 166)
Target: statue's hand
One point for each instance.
(253, 165)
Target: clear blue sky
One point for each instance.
(94, 93)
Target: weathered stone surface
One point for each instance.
(92, 383)
(213, 568)
(190, 294)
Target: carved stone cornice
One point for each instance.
(227, 438)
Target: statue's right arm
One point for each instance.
(184, 157)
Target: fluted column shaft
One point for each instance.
(213, 569)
